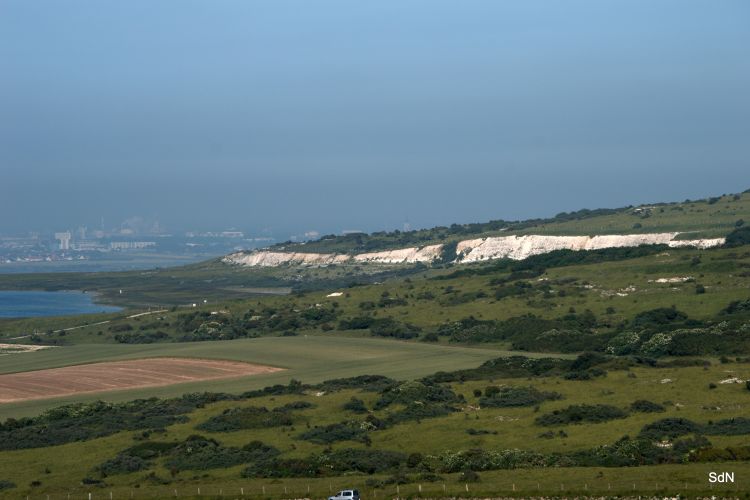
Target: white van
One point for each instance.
(346, 495)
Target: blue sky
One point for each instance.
(331, 115)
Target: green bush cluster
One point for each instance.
(578, 414)
(505, 397)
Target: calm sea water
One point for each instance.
(27, 304)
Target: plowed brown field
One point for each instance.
(114, 375)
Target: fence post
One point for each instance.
(443, 487)
(514, 486)
(242, 491)
(420, 488)
(175, 493)
(264, 490)
(467, 486)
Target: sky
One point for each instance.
(291, 116)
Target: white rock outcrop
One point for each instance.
(403, 255)
(476, 250)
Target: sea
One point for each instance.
(27, 304)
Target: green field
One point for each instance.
(311, 359)
(687, 395)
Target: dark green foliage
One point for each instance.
(738, 237)
(578, 414)
(141, 337)
(200, 453)
(657, 318)
(6, 485)
(728, 427)
(83, 421)
(356, 323)
(355, 405)
(150, 449)
(645, 406)
(295, 405)
(125, 327)
(367, 383)
(122, 464)
(669, 428)
(737, 306)
(329, 463)
(505, 397)
(419, 411)
(415, 392)
(342, 431)
(505, 367)
(389, 327)
(248, 417)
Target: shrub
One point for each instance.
(200, 453)
(6, 485)
(645, 406)
(505, 397)
(342, 431)
(577, 414)
(249, 417)
(669, 428)
(355, 405)
(122, 464)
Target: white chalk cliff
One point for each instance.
(476, 250)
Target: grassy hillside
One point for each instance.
(429, 449)
(313, 359)
(706, 218)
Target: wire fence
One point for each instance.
(297, 490)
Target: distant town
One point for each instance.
(132, 238)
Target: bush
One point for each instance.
(200, 453)
(249, 417)
(355, 405)
(468, 476)
(122, 464)
(342, 431)
(6, 485)
(738, 237)
(83, 421)
(645, 406)
(577, 414)
(669, 428)
(389, 327)
(506, 397)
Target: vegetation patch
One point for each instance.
(579, 414)
(247, 417)
(505, 397)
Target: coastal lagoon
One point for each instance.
(25, 304)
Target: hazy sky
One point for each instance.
(330, 115)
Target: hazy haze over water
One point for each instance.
(331, 115)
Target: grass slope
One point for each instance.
(312, 359)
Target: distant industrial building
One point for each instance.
(64, 239)
(131, 245)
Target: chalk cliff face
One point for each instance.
(476, 250)
(406, 255)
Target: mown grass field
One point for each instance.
(310, 359)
